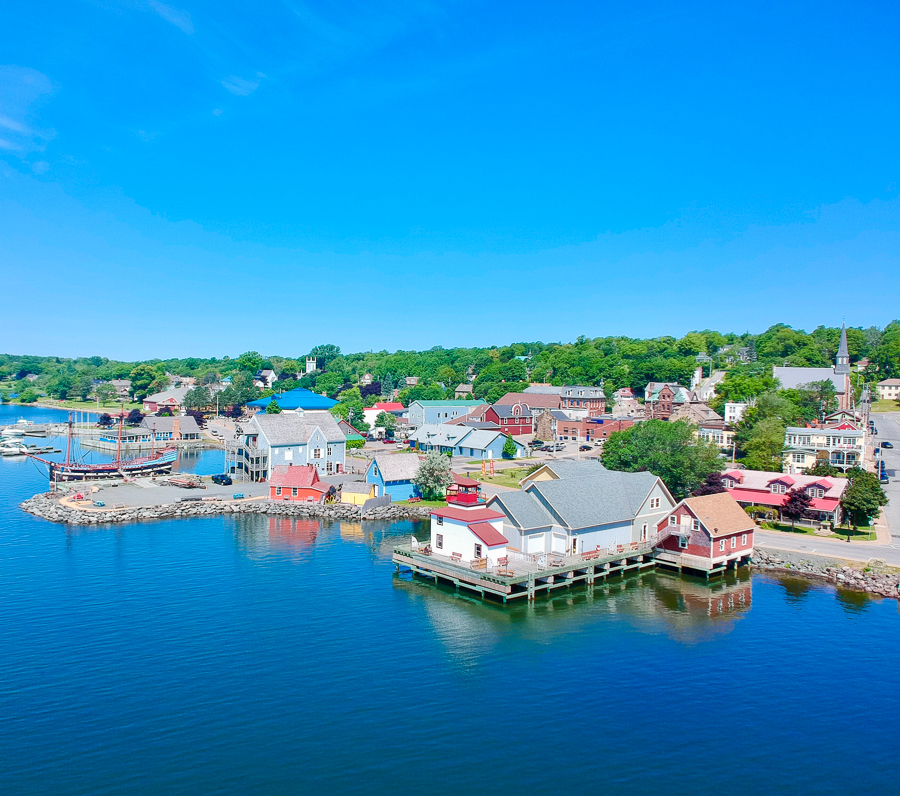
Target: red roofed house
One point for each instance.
(300, 482)
(391, 407)
(709, 533)
(467, 532)
(759, 488)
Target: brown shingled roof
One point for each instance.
(720, 514)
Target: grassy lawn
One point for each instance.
(862, 534)
(510, 477)
(86, 406)
(432, 504)
(885, 406)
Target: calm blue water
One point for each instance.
(284, 656)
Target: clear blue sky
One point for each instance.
(206, 178)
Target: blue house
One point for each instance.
(292, 400)
(464, 442)
(433, 412)
(392, 474)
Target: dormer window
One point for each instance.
(816, 492)
(728, 483)
(778, 489)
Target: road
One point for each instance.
(802, 543)
(888, 425)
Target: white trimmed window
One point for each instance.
(673, 520)
(695, 525)
(654, 503)
(682, 542)
(743, 540)
(779, 489)
(278, 490)
(317, 453)
(478, 551)
(439, 541)
(721, 545)
(733, 542)
(440, 520)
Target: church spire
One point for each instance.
(842, 362)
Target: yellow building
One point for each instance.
(356, 492)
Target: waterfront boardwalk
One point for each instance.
(525, 576)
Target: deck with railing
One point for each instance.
(523, 574)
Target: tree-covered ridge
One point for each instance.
(615, 361)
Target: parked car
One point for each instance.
(560, 446)
(536, 443)
(887, 444)
(585, 447)
(223, 479)
(547, 448)
(388, 441)
(884, 479)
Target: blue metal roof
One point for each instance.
(299, 398)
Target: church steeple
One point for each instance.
(842, 362)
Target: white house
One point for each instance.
(468, 533)
(570, 515)
(734, 411)
(296, 438)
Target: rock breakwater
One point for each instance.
(873, 577)
(48, 507)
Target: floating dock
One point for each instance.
(526, 576)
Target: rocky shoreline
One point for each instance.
(871, 577)
(47, 507)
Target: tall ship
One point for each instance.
(156, 463)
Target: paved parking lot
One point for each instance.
(888, 425)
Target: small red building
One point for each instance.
(288, 482)
(512, 419)
(709, 533)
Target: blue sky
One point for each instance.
(205, 178)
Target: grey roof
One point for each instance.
(524, 510)
(575, 468)
(506, 410)
(843, 351)
(177, 393)
(165, 425)
(479, 439)
(356, 487)
(480, 424)
(600, 499)
(582, 391)
(540, 389)
(289, 428)
(791, 378)
(819, 431)
(558, 414)
(397, 466)
(442, 434)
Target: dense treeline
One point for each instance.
(614, 361)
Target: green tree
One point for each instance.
(764, 447)
(105, 393)
(386, 420)
(141, 378)
(863, 498)
(433, 476)
(325, 354)
(249, 361)
(509, 449)
(669, 450)
(272, 408)
(82, 387)
(197, 398)
(329, 383)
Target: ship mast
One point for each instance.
(119, 440)
(69, 442)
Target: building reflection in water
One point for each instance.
(297, 533)
(689, 610)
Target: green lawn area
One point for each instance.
(88, 406)
(432, 504)
(862, 534)
(885, 406)
(509, 477)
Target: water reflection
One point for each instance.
(687, 609)
(853, 602)
(294, 532)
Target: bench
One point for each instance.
(456, 557)
(478, 563)
(414, 500)
(587, 555)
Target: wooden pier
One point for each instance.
(526, 576)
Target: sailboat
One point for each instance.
(158, 462)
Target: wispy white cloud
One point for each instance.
(180, 19)
(20, 89)
(41, 167)
(239, 86)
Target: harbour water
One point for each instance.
(281, 656)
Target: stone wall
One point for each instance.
(873, 577)
(47, 506)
